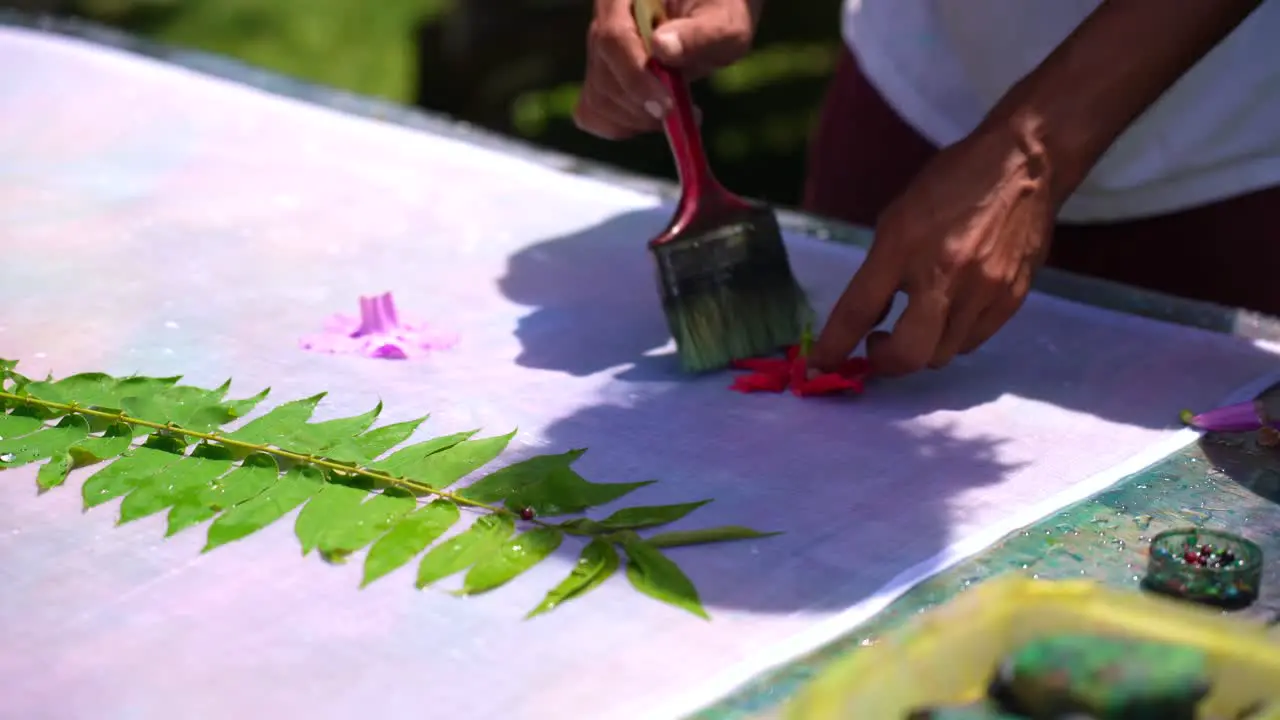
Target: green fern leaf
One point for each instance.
(115, 439)
(365, 524)
(441, 469)
(152, 459)
(43, 444)
(347, 499)
(657, 576)
(190, 407)
(597, 563)
(280, 421)
(703, 536)
(372, 444)
(547, 485)
(98, 390)
(326, 438)
(205, 465)
(54, 472)
(636, 518)
(334, 503)
(514, 557)
(403, 461)
(14, 426)
(113, 442)
(296, 487)
(408, 537)
(485, 536)
(194, 505)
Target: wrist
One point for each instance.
(1021, 139)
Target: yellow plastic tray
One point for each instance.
(949, 654)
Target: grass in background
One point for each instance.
(364, 47)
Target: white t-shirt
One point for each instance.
(942, 64)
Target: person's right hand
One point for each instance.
(619, 97)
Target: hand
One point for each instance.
(619, 97)
(962, 241)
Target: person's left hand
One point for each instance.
(962, 241)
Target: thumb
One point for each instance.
(706, 40)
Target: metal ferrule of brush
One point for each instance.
(741, 255)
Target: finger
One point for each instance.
(914, 338)
(706, 39)
(603, 111)
(958, 329)
(859, 309)
(615, 42)
(987, 324)
(600, 115)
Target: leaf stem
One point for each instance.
(121, 417)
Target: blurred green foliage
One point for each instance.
(514, 66)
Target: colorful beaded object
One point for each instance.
(1204, 566)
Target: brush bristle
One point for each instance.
(729, 293)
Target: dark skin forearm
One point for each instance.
(1119, 61)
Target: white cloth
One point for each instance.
(942, 64)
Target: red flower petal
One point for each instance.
(854, 367)
(759, 382)
(793, 352)
(825, 384)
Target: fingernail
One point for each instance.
(654, 108)
(668, 42)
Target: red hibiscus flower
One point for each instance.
(777, 374)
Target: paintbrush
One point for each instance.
(727, 287)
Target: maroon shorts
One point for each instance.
(863, 154)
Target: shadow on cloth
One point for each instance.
(858, 498)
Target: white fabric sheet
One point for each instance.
(153, 220)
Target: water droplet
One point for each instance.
(8, 457)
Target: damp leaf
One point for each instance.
(703, 536)
(159, 492)
(657, 576)
(43, 444)
(159, 446)
(597, 563)
(443, 468)
(484, 537)
(404, 460)
(514, 557)
(156, 455)
(336, 501)
(280, 421)
(190, 407)
(636, 518)
(364, 524)
(408, 537)
(367, 446)
(548, 485)
(14, 426)
(295, 488)
(194, 505)
(113, 441)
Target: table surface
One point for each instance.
(1219, 482)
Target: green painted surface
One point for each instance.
(1226, 483)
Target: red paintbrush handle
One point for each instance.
(699, 188)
